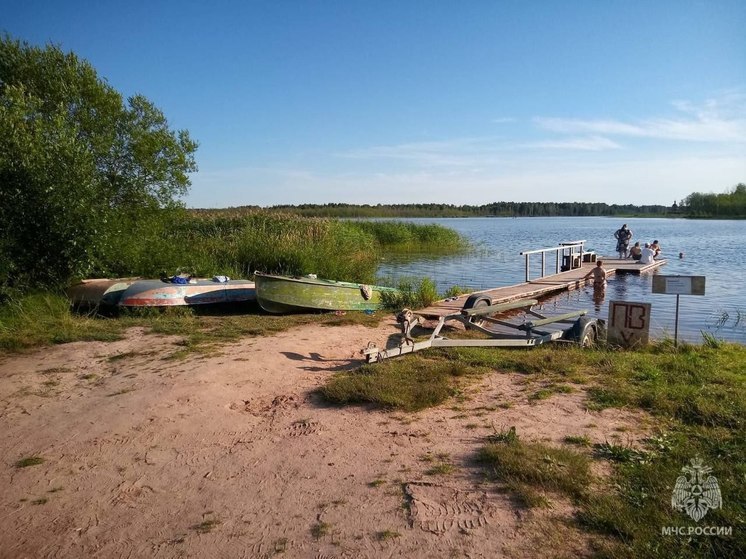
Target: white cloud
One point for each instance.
(456, 152)
(716, 120)
(586, 143)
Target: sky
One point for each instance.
(321, 101)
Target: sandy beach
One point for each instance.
(235, 455)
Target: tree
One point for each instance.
(79, 167)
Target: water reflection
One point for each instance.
(599, 293)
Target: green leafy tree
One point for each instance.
(80, 167)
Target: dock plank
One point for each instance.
(547, 285)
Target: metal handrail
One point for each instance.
(563, 247)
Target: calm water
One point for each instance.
(714, 249)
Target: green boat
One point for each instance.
(282, 294)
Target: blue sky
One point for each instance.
(439, 101)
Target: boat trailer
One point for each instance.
(478, 314)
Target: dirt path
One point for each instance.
(234, 456)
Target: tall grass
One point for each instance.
(205, 244)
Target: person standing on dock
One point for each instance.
(622, 236)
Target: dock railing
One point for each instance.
(568, 255)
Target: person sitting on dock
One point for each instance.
(655, 247)
(599, 275)
(648, 255)
(622, 236)
(636, 251)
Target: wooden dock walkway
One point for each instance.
(542, 286)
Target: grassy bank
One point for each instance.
(41, 319)
(696, 396)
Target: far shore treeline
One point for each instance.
(728, 205)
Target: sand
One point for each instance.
(234, 455)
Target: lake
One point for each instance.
(712, 248)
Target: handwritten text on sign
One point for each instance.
(629, 323)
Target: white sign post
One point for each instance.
(678, 285)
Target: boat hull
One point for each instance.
(156, 293)
(280, 294)
(98, 292)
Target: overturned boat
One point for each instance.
(283, 294)
(159, 293)
(89, 293)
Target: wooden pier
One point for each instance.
(544, 285)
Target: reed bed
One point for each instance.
(237, 245)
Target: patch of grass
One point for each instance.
(280, 545)
(409, 384)
(537, 465)
(619, 453)
(55, 490)
(385, 535)
(441, 469)
(376, 483)
(206, 526)
(503, 436)
(320, 529)
(120, 392)
(29, 461)
(41, 501)
(120, 356)
(411, 294)
(579, 440)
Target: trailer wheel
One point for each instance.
(589, 337)
(477, 301)
(585, 332)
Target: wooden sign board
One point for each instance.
(629, 323)
(679, 285)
